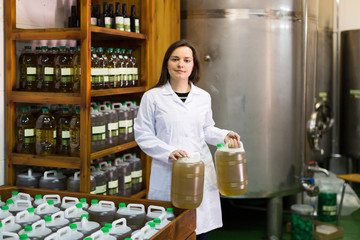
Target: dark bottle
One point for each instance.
(99, 23)
(107, 18)
(111, 15)
(119, 19)
(134, 21)
(93, 20)
(126, 18)
(73, 21)
(63, 133)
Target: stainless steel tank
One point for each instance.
(252, 55)
(350, 94)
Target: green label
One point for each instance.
(112, 78)
(66, 79)
(122, 130)
(48, 78)
(98, 137)
(95, 79)
(30, 78)
(114, 133)
(29, 139)
(65, 142)
(355, 93)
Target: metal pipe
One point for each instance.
(274, 217)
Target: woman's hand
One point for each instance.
(233, 140)
(178, 154)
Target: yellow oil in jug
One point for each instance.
(231, 170)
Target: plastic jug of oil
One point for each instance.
(9, 236)
(170, 214)
(53, 236)
(63, 132)
(46, 209)
(68, 202)
(112, 125)
(73, 182)
(87, 227)
(53, 180)
(123, 118)
(74, 128)
(102, 234)
(74, 213)
(9, 225)
(55, 197)
(231, 170)
(70, 233)
(38, 200)
(25, 132)
(187, 182)
(136, 172)
(36, 231)
(161, 222)
(102, 212)
(98, 130)
(28, 179)
(100, 180)
(4, 212)
(56, 221)
(154, 212)
(124, 172)
(112, 178)
(28, 69)
(134, 214)
(119, 229)
(26, 217)
(150, 231)
(45, 131)
(84, 203)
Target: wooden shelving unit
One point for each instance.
(85, 35)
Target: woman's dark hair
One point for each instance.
(195, 74)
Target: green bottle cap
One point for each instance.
(83, 200)
(31, 210)
(157, 220)
(110, 49)
(78, 47)
(50, 202)
(62, 47)
(38, 197)
(77, 110)
(94, 201)
(28, 228)
(24, 109)
(151, 224)
(78, 205)
(5, 207)
(122, 205)
(44, 109)
(0, 224)
(14, 193)
(73, 226)
(9, 201)
(128, 239)
(43, 47)
(24, 237)
(47, 218)
(85, 216)
(108, 225)
(220, 145)
(88, 238)
(27, 47)
(170, 210)
(105, 229)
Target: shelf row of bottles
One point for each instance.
(115, 175)
(56, 129)
(59, 69)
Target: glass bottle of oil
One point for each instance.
(65, 70)
(112, 67)
(77, 69)
(45, 131)
(28, 67)
(25, 132)
(134, 21)
(74, 128)
(95, 74)
(121, 68)
(98, 130)
(46, 70)
(126, 18)
(126, 68)
(103, 65)
(119, 19)
(63, 133)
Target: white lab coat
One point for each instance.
(164, 123)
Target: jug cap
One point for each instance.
(14, 193)
(89, 238)
(9, 201)
(38, 196)
(79, 205)
(151, 224)
(220, 145)
(47, 218)
(157, 220)
(5, 207)
(108, 225)
(83, 200)
(84, 216)
(170, 210)
(31, 210)
(73, 226)
(1, 224)
(94, 201)
(122, 205)
(28, 228)
(24, 237)
(50, 202)
(105, 229)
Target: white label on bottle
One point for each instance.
(95, 71)
(135, 71)
(101, 189)
(107, 21)
(136, 174)
(49, 71)
(98, 129)
(122, 123)
(30, 70)
(93, 21)
(112, 71)
(113, 126)
(103, 71)
(127, 179)
(113, 184)
(54, 134)
(127, 24)
(122, 70)
(126, 71)
(130, 129)
(67, 71)
(65, 134)
(129, 123)
(119, 22)
(137, 26)
(106, 78)
(29, 132)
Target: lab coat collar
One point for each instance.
(167, 90)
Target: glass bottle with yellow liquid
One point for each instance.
(64, 70)
(74, 128)
(63, 133)
(77, 69)
(95, 70)
(103, 65)
(45, 131)
(112, 67)
(28, 70)
(25, 132)
(231, 170)
(46, 70)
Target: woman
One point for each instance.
(175, 119)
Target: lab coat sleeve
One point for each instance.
(213, 135)
(145, 132)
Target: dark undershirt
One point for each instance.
(182, 96)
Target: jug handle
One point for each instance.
(77, 175)
(39, 224)
(41, 207)
(54, 197)
(8, 234)
(136, 205)
(8, 220)
(107, 203)
(70, 199)
(21, 215)
(146, 229)
(127, 156)
(103, 108)
(59, 214)
(63, 232)
(24, 196)
(105, 164)
(69, 210)
(120, 221)
(156, 208)
(53, 236)
(116, 106)
(117, 161)
(21, 202)
(138, 236)
(97, 235)
(47, 173)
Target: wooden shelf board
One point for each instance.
(44, 97)
(112, 150)
(141, 194)
(101, 33)
(45, 161)
(46, 34)
(115, 91)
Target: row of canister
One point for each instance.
(121, 177)
(58, 131)
(187, 182)
(49, 217)
(59, 69)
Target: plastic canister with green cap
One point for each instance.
(119, 228)
(4, 212)
(302, 218)
(55, 197)
(8, 225)
(36, 231)
(154, 212)
(170, 214)
(9, 236)
(102, 212)
(46, 209)
(87, 227)
(26, 217)
(28, 179)
(187, 182)
(56, 221)
(231, 170)
(134, 214)
(67, 202)
(70, 233)
(74, 213)
(38, 200)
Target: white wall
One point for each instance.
(349, 17)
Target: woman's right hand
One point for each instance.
(178, 154)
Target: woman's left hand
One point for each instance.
(233, 140)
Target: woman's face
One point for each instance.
(180, 64)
